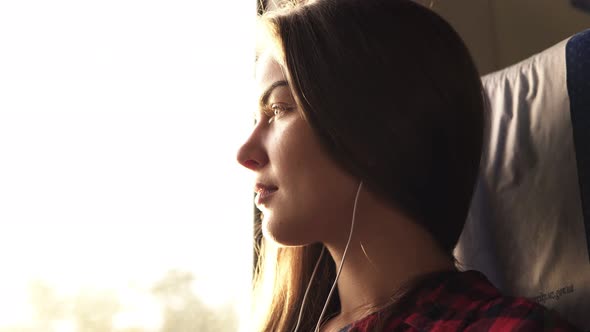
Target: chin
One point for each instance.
(282, 235)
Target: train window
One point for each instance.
(122, 205)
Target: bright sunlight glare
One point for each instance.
(122, 205)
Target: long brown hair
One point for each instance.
(393, 95)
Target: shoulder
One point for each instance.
(501, 314)
(467, 301)
(516, 314)
(463, 301)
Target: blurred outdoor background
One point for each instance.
(122, 208)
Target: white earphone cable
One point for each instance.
(337, 274)
(317, 328)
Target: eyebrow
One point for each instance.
(269, 90)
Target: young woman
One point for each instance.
(366, 150)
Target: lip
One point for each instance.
(265, 192)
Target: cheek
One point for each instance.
(331, 193)
(322, 177)
(326, 198)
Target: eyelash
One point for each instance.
(275, 110)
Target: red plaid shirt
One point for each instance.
(464, 301)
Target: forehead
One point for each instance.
(268, 71)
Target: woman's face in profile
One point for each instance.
(313, 196)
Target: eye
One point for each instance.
(276, 111)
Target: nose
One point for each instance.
(252, 154)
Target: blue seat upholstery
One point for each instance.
(578, 83)
(528, 228)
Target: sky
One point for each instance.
(119, 125)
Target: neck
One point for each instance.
(387, 250)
